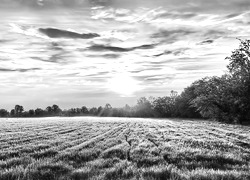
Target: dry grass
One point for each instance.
(120, 148)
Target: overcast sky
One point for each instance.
(112, 51)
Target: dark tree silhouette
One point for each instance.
(84, 110)
(144, 108)
(239, 68)
(164, 106)
(39, 112)
(31, 112)
(18, 110)
(93, 111)
(4, 113)
(49, 109)
(56, 110)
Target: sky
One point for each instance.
(92, 52)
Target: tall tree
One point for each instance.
(239, 68)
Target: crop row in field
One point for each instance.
(121, 148)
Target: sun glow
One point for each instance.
(123, 84)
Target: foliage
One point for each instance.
(18, 110)
(144, 108)
(182, 104)
(164, 106)
(239, 68)
(4, 113)
(226, 98)
(213, 98)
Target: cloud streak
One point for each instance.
(18, 70)
(58, 33)
(99, 47)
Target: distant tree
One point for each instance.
(39, 112)
(4, 113)
(108, 106)
(144, 108)
(127, 107)
(164, 106)
(12, 113)
(107, 110)
(49, 109)
(183, 107)
(128, 111)
(173, 94)
(55, 109)
(72, 111)
(18, 110)
(93, 111)
(84, 110)
(78, 111)
(31, 112)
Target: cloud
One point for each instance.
(58, 33)
(44, 4)
(18, 70)
(5, 40)
(108, 56)
(164, 33)
(214, 34)
(175, 15)
(232, 15)
(193, 67)
(58, 57)
(176, 52)
(210, 41)
(101, 2)
(55, 46)
(172, 35)
(98, 74)
(6, 70)
(100, 47)
(108, 48)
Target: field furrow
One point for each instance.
(121, 148)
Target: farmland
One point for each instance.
(122, 148)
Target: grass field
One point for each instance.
(122, 148)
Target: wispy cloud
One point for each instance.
(18, 70)
(58, 33)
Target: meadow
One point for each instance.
(94, 148)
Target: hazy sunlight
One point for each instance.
(123, 84)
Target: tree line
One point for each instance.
(225, 98)
(146, 107)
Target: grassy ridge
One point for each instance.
(120, 148)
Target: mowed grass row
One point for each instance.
(122, 148)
